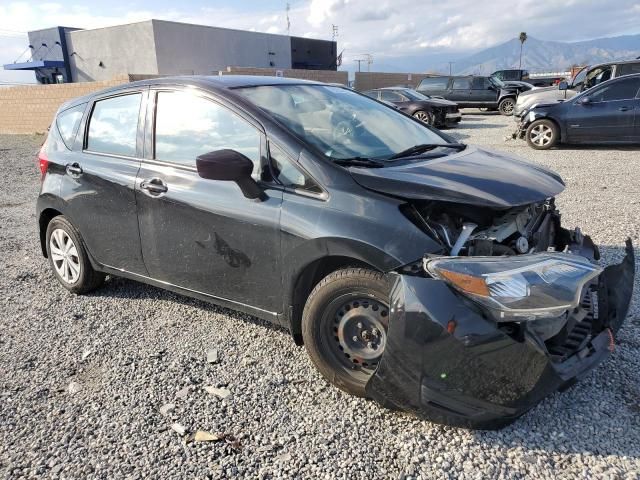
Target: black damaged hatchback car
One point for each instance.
(428, 275)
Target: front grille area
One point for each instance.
(578, 331)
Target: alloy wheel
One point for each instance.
(64, 255)
(541, 135)
(507, 107)
(423, 117)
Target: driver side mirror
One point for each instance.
(584, 101)
(230, 166)
(563, 85)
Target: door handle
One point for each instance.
(73, 169)
(155, 186)
(625, 109)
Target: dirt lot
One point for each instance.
(130, 349)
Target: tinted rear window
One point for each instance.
(68, 122)
(439, 83)
(462, 84)
(113, 127)
(627, 69)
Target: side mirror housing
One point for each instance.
(584, 100)
(230, 166)
(563, 85)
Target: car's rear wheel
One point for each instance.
(68, 257)
(506, 106)
(542, 134)
(424, 117)
(344, 326)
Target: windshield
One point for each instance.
(579, 78)
(341, 123)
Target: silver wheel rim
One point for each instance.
(64, 256)
(423, 117)
(507, 107)
(541, 135)
(361, 333)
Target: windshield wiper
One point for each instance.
(359, 162)
(423, 147)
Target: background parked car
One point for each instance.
(472, 91)
(586, 78)
(607, 113)
(511, 75)
(432, 111)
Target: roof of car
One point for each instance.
(218, 82)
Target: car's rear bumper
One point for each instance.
(447, 362)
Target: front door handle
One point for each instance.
(625, 109)
(155, 186)
(73, 169)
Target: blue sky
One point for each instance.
(397, 33)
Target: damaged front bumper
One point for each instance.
(447, 362)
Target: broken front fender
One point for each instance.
(447, 362)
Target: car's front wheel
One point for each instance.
(424, 117)
(506, 106)
(69, 259)
(344, 326)
(542, 134)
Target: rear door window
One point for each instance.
(391, 96)
(113, 127)
(462, 84)
(438, 83)
(68, 122)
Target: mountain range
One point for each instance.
(544, 55)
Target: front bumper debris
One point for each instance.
(446, 362)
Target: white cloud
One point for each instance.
(390, 30)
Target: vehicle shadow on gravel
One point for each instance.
(118, 287)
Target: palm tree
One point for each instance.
(523, 38)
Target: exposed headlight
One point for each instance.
(520, 287)
(532, 116)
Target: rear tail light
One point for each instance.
(43, 161)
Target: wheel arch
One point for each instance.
(308, 278)
(44, 219)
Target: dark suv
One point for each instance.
(428, 275)
(472, 92)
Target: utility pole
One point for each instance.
(451, 67)
(334, 32)
(359, 60)
(288, 21)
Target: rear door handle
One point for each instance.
(155, 186)
(73, 169)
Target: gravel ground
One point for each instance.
(83, 379)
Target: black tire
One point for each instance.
(424, 117)
(542, 127)
(340, 303)
(87, 278)
(506, 106)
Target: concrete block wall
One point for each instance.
(29, 109)
(370, 80)
(327, 76)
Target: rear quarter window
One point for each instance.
(67, 123)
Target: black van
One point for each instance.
(472, 92)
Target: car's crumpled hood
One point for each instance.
(474, 176)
